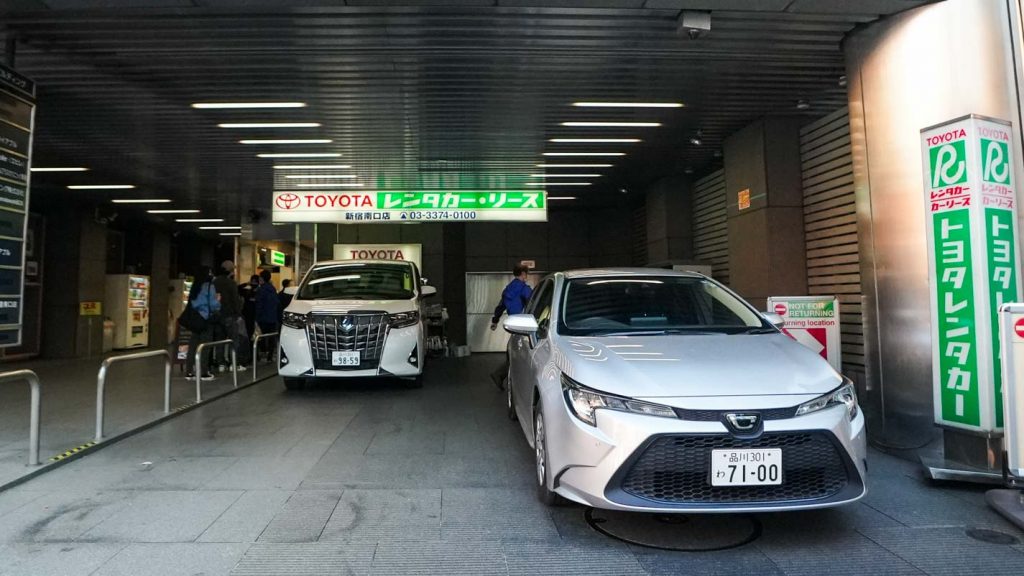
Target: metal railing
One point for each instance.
(101, 382)
(33, 428)
(199, 361)
(255, 350)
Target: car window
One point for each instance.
(593, 306)
(540, 306)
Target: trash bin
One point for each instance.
(108, 335)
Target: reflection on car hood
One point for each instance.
(695, 365)
(350, 306)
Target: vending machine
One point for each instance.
(126, 303)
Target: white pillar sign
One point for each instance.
(814, 322)
(971, 207)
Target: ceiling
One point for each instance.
(411, 93)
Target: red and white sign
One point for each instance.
(407, 252)
(814, 322)
(781, 309)
(1018, 328)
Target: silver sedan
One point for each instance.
(653, 390)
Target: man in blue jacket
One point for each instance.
(267, 305)
(513, 300)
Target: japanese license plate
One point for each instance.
(346, 359)
(749, 467)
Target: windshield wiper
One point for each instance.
(667, 331)
(760, 331)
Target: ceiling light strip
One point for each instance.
(173, 211)
(101, 187)
(613, 124)
(300, 155)
(313, 167)
(199, 220)
(60, 169)
(319, 176)
(628, 104)
(595, 140)
(269, 125)
(141, 201)
(584, 154)
(246, 105)
(288, 141)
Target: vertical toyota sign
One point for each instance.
(970, 205)
(17, 116)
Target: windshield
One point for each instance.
(359, 282)
(654, 305)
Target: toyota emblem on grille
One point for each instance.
(743, 422)
(347, 325)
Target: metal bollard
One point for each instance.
(33, 427)
(101, 383)
(199, 362)
(255, 343)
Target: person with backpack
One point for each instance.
(199, 318)
(514, 298)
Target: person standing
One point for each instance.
(203, 299)
(230, 312)
(513, 300)
(267, 305)
(283, 299)
(247, 292)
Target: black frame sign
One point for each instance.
(17, 120)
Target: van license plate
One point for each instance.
(345, 359)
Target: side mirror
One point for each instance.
(522, 324)
(775, 319)
(291, 290)
(427, 291)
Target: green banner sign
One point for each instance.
(391, 206)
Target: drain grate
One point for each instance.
(677, 532)
(992, 537)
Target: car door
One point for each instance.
(527, 350)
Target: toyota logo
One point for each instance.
(743, 422)
(287, 201)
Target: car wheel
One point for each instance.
(294, 383)
(511, 401)
(540, 452)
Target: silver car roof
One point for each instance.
(604, 272)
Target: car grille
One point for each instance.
(364, 333)
(718, 415)
(676, 469)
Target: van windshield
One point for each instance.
(359, 282)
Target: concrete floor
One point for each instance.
(374, 478)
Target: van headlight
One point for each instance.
(584, 402)
(404, 319)
(294, 320)
(845, 395)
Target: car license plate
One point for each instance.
(749, 467)
(346, 359)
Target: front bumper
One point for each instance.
(646, 463)
(400, 345)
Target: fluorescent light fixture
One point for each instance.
(300, 155)
(142, 201)
(175, 211)
(199, 220)
(269, 125)
(101, 187)
(559, 183)
(613, 124)
(60, 169)
(561, 197)
(628, 104)
(220, 227)
(574, 165)
(595, 140)
(331, 185)
(584, 153)
(321, 176)
(313, 167)
(288, 141)
(229, 105)
(230, 233)
(565, 175)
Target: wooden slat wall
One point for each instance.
(830, 226)
(711, 228)
(639, 234)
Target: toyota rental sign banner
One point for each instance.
(382, 207)
(970, 204)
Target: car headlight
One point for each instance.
(294, 320)
(584, 402)
(404, 319)
(845, 394)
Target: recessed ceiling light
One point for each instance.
(300, 155)
(60, 169)
(269, 125)
(561, 197)
(574, 165)
(332, 185)
(100, 187)
(559, 183)
(199, 220)
(613, 124)
(223, 105)
(220, 227)
(288, 141)
(628, 104)
(230, 233)
(802, 104)
(141, 201)
(175, 211)
(311, 176)
(584, 153)
(565, 175)
(313, 167)
(595, 140)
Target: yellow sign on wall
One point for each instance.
(90, 308)
(743, 199)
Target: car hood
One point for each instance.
(696, 365)
(350, 306)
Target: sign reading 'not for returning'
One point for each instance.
(814, 322)
(382, 207)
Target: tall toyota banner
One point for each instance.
(971, 210)
(814, 322)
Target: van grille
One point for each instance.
(364, 333)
